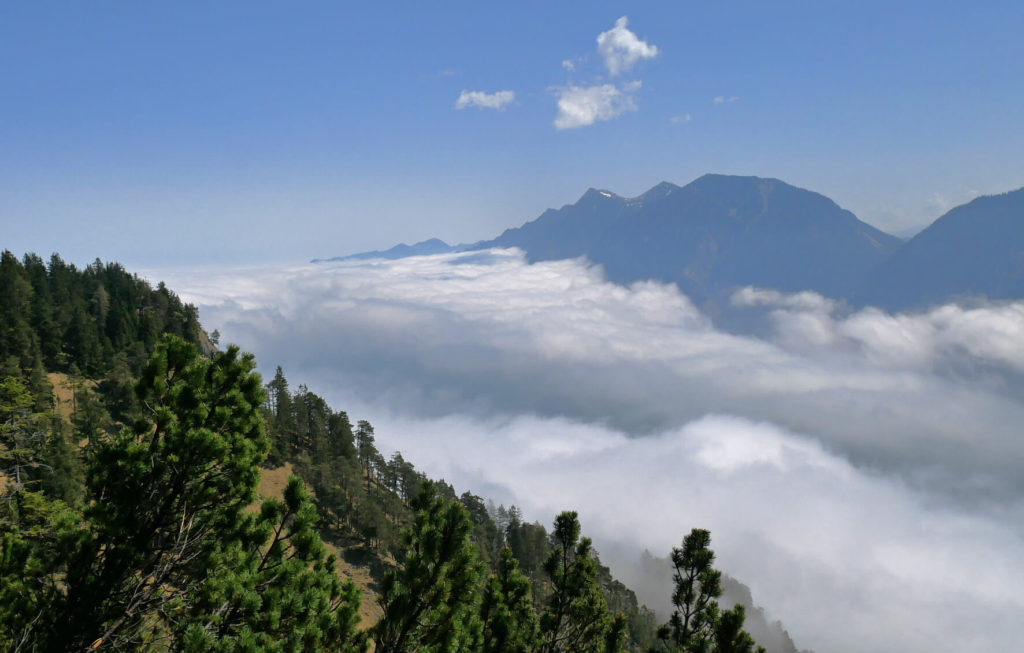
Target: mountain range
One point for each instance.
(722, 232)
(974, 250)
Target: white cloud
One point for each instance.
(847, 560)
(811, 301)
(933, 341)
(675, 120)
(476, 332)
(497, 100)
(569, 65)
(722, 99)
(863, 472)
(621, 48)
(580, 106)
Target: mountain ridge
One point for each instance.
(973, 251)
(722, 232)
(716, 233)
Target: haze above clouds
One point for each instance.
(268, 133)
(861, 472)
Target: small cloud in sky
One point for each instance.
(580, 106)
(621, 48)
(482, 100)
(675, 120)
(723, 99)
(569, 65)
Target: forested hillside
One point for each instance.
(133, 522)
(93, 320)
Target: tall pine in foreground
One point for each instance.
(163, 554)
(429, 601)
(698, 625)
(576, 617)
(509, 621)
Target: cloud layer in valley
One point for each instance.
(874, 460)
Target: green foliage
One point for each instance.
(429, 601)
(33, 555)
(509, 622)
(357, 492)
(274, 587)
(169, 484)
(641, 622)
(131, 526)
(576, 617)
(529, 544)
(34, 450)
(23, 435)
(364, 499)
(697, 625)
(36, 529)
(489, 541)
(61, 316)
(163, 553)
(142, 539)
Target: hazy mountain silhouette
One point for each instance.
(722, 232)
(714, 234)
(423, 248)
(976, 250)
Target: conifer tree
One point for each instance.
(508, 619)
(697, 625)
(29, 573)
(430, 601)
(17, 340)
(167, 484)
(164, 554)
(365, 446)
(576, 617)
(273, 586)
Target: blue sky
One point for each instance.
(238, 132)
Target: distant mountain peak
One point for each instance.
(719, 183)
(655, 193)
(597, 195)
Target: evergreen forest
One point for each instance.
(134, 514)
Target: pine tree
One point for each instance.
(23, 442)
(430, 601)
(365, 446)
(36, 530)
(164, 553)
(17, 339)
(576, 617)
(508, 619)
(168, 484)
(697, 625)
(274, 587)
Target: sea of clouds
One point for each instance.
(862, 472)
